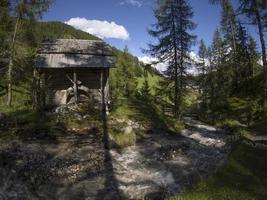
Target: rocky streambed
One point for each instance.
(74, 164)
(164, 165)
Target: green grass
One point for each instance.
(146, 112)
(244, 177)
(122, 140)
(21, 100)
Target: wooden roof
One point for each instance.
(73, 53)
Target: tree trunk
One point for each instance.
(11, 64)
(263, 49)
(176, 70)
(181, 84)
(233, 34)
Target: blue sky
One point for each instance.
(127, 21)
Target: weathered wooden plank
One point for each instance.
(74, 61)
(89, 47)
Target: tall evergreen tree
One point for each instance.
(229, 27)
(202, 53)
(145, 90)
(253, 55)
(202, 68)
(174, 23)
(220, 78)
(229, 21)
(255, 10)
(124, 76)
(243, 58)
(21, 10)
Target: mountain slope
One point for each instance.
(59, 30)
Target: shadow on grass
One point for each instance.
(145, 110)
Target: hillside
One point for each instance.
(56, 30)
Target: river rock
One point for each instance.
(128, 130)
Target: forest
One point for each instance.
(169, 134)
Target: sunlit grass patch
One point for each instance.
(148, 113)
(122, 140)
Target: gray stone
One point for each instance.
(128, 130)
(172, 166)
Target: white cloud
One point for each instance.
(149, 60)
(163, 66)
(102, 29)
(136, 3)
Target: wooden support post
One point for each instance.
(37, 89)
(102, 87)
(43, 89)
(75, 86)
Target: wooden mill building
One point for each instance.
(73, 71)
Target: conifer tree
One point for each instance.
(256, 12)
(124, 76)
(202, 68)
(21, 10)
(219, 77)
(229, 27)
(202, 53)
(253, 55)
(243, 58)
(172, 30)
(145, 88)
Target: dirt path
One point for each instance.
(167, 165)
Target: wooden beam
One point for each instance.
(75, 87)
(107, 89)
(43, 88)
(103, 98)
(36, 85)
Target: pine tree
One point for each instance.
(256, 13)
(253, 55)
(202, 53)
(21, 10)
(145, 90)
(124, 76)
(228, 22)
(229, 27)
(243, 58)
(217, 84)
(219, 79)
(174, 23)
(202, 68)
